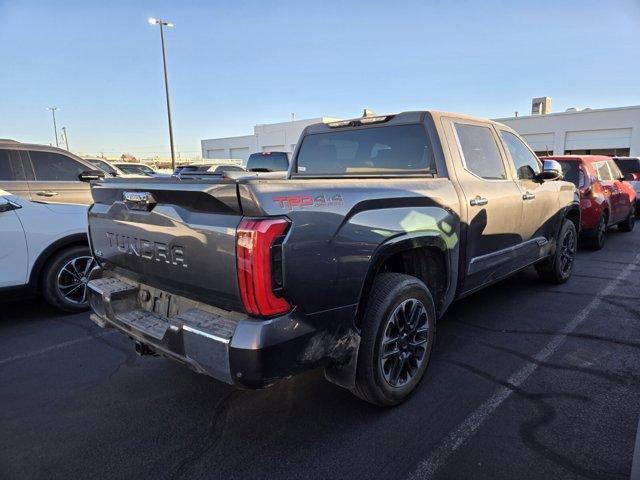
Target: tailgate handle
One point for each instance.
(135, 200)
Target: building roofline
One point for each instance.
(229, 138)
(555, 114)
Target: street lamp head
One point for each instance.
(157, 21)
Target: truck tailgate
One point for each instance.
(173, 234)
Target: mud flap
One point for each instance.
(343, 373)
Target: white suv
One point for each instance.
(43, 247)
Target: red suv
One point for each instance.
(606, 197)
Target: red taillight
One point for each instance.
(255, 255)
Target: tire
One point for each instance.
(392, 296)
(558, 269)
(629, 222)
(595, 240)
(64, 278)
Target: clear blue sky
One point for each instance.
(233, 64)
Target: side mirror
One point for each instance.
(629, 177)
(551, 170)
(6, 205)
(89, 175)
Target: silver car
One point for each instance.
(44, 173)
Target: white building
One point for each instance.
(273, 137)
(605, 131)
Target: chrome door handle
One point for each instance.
(46, 193)
(528, 196)
(478, 201)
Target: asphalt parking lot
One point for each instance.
(527, 381)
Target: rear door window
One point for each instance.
(50, 166)
(11, 166)
(391, 150)
(480, 152)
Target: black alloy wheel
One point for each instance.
(403, 344)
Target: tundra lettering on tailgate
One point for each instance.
(148, 249)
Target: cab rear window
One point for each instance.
(572, 173)
(268, 162)
(400, 149)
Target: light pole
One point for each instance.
(55, 128)
(66, 139)
(163, 23)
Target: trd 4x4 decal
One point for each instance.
(290, 202)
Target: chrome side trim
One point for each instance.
(539, 241)
(509, 259)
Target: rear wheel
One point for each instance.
(558, 269)
(630, 221)
(398, 334)
(64, 279)
(595, 240)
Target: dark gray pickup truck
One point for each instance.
(345, 264)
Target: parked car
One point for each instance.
(346, 264)
(210, 168)
(130, 168)
(105, 166)
(43, 173)
(606, 197)
(268, 162)
(44, 249)
(630, 167)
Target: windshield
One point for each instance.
(374, 150)
(104, 166)
(135, 169)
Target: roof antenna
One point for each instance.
(368, 113)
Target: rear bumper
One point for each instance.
(228, 346)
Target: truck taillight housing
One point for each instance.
(259, 257)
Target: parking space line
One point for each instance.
(457, 437)
(51, 348)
